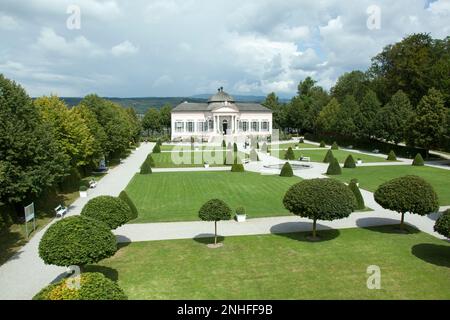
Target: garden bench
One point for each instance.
(92, 184)
(307, 159)
(60, 211)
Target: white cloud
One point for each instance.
(440, 7)
(124, 48)
(162, 81)
(7, 22)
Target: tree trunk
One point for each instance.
(402, 220)
(215, 232)
(314, 228)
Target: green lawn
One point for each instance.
(341, 155)
(293, 145)
(189, 148)
(191, 159)
(177, 196)
(413, 266)
(371, 177)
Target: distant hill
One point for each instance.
(141, 105)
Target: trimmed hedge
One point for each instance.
(334, 168)
(110, 210)
(322, 144)
(289, 155)
(360, 205)
(349, 162)
(442, 225)
(418, 160)
(328, 157)
(93, 286)
(156, 148)
(286, 170)
(77, 240)
(240, 210)
(237, 167)
(133, 210)
(391, 156)
(214, 210)
(334, 146)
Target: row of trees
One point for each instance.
(157, 120)
(44, 143)
(403, 97)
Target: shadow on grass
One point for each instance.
(436, 254)
(300, 231)
(384, 225)
(207, 238)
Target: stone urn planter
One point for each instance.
(206, 165)
(241, 216)
(83, 192)
(359, 161)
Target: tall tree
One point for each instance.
(428, 125)
(165, 116)
(327, 119)
(273, 104)
(345, 124)
(355, 83)
(365, 119)
(152, 121)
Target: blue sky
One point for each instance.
(181, 48)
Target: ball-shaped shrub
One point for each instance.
(289, 155)
(360, 205)
(215, 210)
(157, 148)
(442, 225)
(407, 194)
(146, 168)
(78, 241)
(418, 160)
(286, 170)
(322, 144)
(349, 162)
(237, 167)
(133, 210)
(320, 199)
(392, 156)
(328, 157)
(93, 286)
(110, 210)
(335, 146)
(334, 168)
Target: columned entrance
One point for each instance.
(224, 126)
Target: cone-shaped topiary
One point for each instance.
(146, 168)
(418, 160)
(286, 170)
(224, 145)
(229, 146)
(289, 155)
(442, 225)
(215, 210)
(350, 162)
(264, 147)
(110, 210)
(229, 158)
(334, 146)
(359, 198)
(254, 155)
(257, 145)
(125, 198)
(334, 168)
(322, 144)
(328, 157)
(77, 240)
(235, 147)
(150, 160)
(391, 156)
(93, 286)
(237, 167)
(156, 148)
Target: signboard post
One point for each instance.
(29, 215)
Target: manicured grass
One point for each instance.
(191, 159)
(293, 145)
(413, 266)
(177, 196)
(189, 148)
(341, 155)
(371, 177)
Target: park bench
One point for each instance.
(92, 184)
(307, 159)
(60, 211)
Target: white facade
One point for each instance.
(220, 116)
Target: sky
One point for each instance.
(142, 48)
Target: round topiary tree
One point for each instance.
(349, 162)
(77, 241)
(133, 210)
(334, 168)
(157, 148)
(322, 144)
(286, 170)
(93, 286)
(442, 225)
(334, 146)
(328, 157)
(237, 167)
(360, 205)
(418, 160)
(110, 210)
(407, 194)
(391, 156)
(289, 155)
(320, 199)
(146, 168)
(215, 210)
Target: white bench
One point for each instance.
(307, 159)
(60, 211)
(92, 184)
(245, 161)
